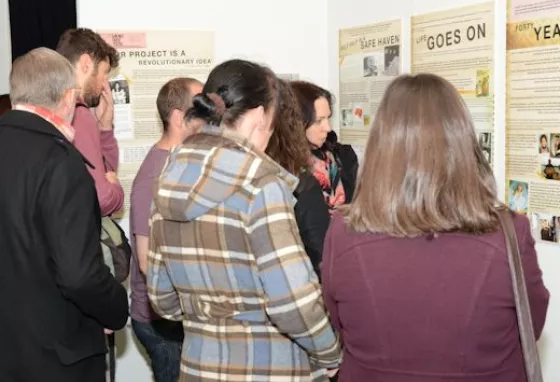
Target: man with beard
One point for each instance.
(93, 60)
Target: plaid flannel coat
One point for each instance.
(226, 259)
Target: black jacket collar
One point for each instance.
(21, 119)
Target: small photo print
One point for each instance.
(485, 142)
(482, 83)
(373, 66)
(551, 170)
(346, 117)
(554, 145)
(546, 227)
(518, 196)
(120, 92)
(544, 147)
(392, 60)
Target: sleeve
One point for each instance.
(312, 217)
(294, 301)
(110, 150)
(140, 206)
(327, 281)
(537, 292)
(163, 296)
(71, 219)
(87, 141)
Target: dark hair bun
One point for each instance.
(204, 108)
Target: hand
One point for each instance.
(105, 111)
(108, 331)
(332, 372)
(112, 177)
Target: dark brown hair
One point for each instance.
(75, 42)
(423, 169)
(241, 85)
(306, 94)
(288, 145)
(175, 94)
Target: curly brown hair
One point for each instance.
(288, 145)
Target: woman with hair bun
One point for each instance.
(225, 256)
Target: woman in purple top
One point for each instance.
(161, 338)
(419, 253)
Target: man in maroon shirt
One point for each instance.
(162, 339)
(93, 59)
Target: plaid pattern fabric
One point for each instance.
(226, 259)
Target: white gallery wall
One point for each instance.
(5, 47)
(350, 13)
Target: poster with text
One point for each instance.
(147, 61)
(458, 45)
(533, 114)
(369, 59)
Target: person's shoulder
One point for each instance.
(151, 166)
(83, 118)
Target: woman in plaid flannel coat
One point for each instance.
(225, 253)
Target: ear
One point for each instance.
(260, 117)
(176, 118)
(85, 64)
(67, 105)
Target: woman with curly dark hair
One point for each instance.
(288, 147)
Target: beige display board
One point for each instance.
(369, 59)
(533, 114)
(148, 59)
(458, 45)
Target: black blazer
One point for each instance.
(56, 294)
(312, 217)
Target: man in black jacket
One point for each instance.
(56, 295)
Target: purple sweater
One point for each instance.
(429, 310)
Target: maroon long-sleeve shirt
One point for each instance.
(95, 145)
(428, 310)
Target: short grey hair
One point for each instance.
(41, 77)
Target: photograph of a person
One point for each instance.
(543, 144)
(546, 227)
(392, 60)
(554, 145)
(485, 142)
(371, 66)
(120, 91)
(518, 196)
(482, 83)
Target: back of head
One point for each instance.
(239, 86)
(5, 103)
(423, 169)
(41, 77)
(288, 145)
(176, 94)
(306, 94)
(75, 42)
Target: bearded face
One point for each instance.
(95, 83)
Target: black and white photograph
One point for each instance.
(392, 60)
(371, 66)
(120, 91)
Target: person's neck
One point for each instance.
(167, 141)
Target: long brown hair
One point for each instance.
(288, 145)
(423, 169)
